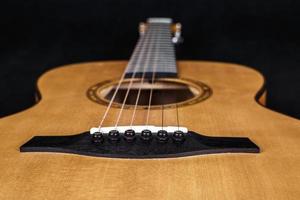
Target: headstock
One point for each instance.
(174, 27)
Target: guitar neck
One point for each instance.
(154, 54)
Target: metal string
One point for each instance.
(138, 47)
(151, 95)
(142, 79)
(162, 117)
(130, 84)
(157, 45)
(140, 44)
(177, 116)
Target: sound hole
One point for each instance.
(167, 92)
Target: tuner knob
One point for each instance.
(162, 136)
(97, 137)
(142, 28)
(129, 135)
(178, 136)
(113, 135)
(177, 39)
(146, 135)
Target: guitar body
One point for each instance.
(232, 110)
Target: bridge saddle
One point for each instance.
(138, 129)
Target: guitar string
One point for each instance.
(177, 116)
(162, 117)
(131, 61)
(153, 78)
(131, 81)
(162, 106)
(146, 63)
(151, 95)
(176, 105)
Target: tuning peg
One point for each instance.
(142, 28)
(177, 39)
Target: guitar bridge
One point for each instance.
(139, 142)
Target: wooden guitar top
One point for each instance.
(231, 111)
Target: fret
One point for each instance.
(154, 52)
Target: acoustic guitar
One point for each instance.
(151, 128)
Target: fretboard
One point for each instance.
(154, 54)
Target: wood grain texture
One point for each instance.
(231, 111)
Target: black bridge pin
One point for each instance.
(146, 135)
(97, 137)
(162, 136)
(129, 135)
(113, 135)
(178, 136)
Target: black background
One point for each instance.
(39, 35)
